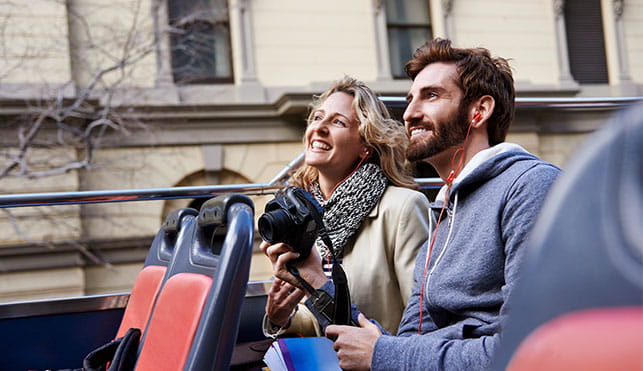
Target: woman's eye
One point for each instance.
(340, 123)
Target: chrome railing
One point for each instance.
(150, 194)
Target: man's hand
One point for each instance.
(354, 345)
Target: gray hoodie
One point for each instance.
(474, 264)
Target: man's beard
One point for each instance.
(445, 135)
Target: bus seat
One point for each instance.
(195, 321)
(591, 339)
(579, 303)
(149, 280)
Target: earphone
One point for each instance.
(476, 117)
(366, 152)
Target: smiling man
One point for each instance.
(460, 107)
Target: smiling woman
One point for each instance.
(333, 142)
(355, 168)
(350, 103)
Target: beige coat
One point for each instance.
(379, 261)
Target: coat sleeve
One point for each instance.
(303, 323)
(407, 225)
(412, 232)
(445, 348)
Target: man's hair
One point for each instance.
(378, 131)
(479, 73)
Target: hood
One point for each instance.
(485, 165)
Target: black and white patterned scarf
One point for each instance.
(349, 204)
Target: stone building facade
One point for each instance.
(229, 105)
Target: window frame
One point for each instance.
(578, 49)
(199, 80)
(397, 25)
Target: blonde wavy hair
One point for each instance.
(378, 131)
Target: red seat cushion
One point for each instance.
(174, 322)
(594, 339)
(142, 299)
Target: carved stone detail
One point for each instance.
(559, 8)
(618, 8)
(447, 7)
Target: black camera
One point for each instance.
(294, 218)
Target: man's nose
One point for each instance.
(412, 112)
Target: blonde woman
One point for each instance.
(355, 168)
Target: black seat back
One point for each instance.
(586, 257)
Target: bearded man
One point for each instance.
(460, 107)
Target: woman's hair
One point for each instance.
(479, 74)
(385, 137)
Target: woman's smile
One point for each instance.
(333, 142)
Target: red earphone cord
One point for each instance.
(452, 175)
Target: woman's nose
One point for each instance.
(320, 126)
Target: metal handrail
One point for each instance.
(151, 194)
(126, 195)
(169, 193)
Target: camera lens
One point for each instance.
(274, 225)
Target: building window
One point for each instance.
(409, 27)
(200, 41)
(585, 42)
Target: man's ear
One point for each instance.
(481, 110)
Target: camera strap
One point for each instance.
(341, 305)
(336, 310)
(295, 272)
(342, 310)
(321, 300)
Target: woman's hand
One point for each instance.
(279, 254)
(282, 300)
(309, 269)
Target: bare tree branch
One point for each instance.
(16, 227)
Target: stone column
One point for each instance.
(161, 36)
(381, 41)
(249, 88)
(447, 9)
(623, 66)
(246, 37)
(565, 76)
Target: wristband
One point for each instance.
(271, 330)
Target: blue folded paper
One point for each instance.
(297, 354)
